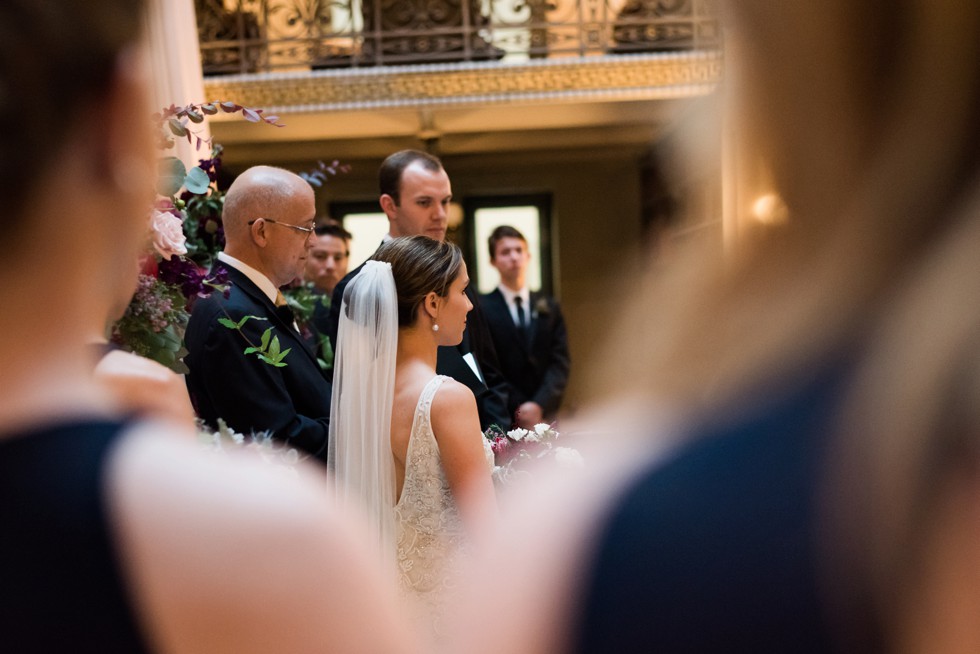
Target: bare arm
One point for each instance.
(456, 426)
(145, 387)
(226, 554)
(538, 560)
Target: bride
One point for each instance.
(405, 443)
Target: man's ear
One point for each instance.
(259, 236)
(388, 205)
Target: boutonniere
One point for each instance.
(541, 307)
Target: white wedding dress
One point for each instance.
(428, 529)
(419, 533)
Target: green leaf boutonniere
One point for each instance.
(268, 350)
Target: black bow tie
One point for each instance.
(286, 314)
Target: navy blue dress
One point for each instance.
(61, 585)
(715, 550)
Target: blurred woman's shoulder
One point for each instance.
(208, 537)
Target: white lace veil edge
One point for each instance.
(359, 449)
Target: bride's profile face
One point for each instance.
(453, 309)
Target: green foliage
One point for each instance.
(303, 300)
(153, 323)
(268, 349)
(171, 173)
(197, 181)
(325, 353)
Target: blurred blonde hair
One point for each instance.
(869, 166)
(866, 114)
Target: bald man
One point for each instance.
(268, 221)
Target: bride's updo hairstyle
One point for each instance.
(420, 265)
(56, 60)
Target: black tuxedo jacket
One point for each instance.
(491, 395)
(536, 366)
(293, 402)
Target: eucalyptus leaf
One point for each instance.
(273, 349)
(177, 127)
(230, 324)
(171, 173)
(197, 181)
(251, 350)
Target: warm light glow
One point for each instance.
(454, 215)
(769, 209)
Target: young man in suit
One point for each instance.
(268, 221)
(415, 196)
(326, 264)
(528, 331)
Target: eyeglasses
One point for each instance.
(305, 230)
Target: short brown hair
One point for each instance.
(392, 168)
(502, 232)
(333, 228)
(420, 265)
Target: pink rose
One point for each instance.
(168, 234)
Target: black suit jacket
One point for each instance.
(491, 395)
(535, 367)
(293, 402)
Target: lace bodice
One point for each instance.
(429, 531)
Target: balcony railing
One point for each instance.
(247, 36)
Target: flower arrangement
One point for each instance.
(226, 439)
(514, 450)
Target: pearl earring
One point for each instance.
(435, 327)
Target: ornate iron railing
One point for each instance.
(243, 36)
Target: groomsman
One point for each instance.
(415, 196)
(528, 331)
(268, 220)
(326, 265)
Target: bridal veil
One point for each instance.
(359, 450)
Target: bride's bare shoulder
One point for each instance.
(452, 397)
(226, 552)
(452, 391)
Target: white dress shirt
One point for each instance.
(264, 283)
(525, 296)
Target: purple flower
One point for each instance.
(187, 275)
(499, 445)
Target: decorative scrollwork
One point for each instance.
(251, 35)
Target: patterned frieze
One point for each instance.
(627, 77)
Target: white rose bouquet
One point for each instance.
(514, 450)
